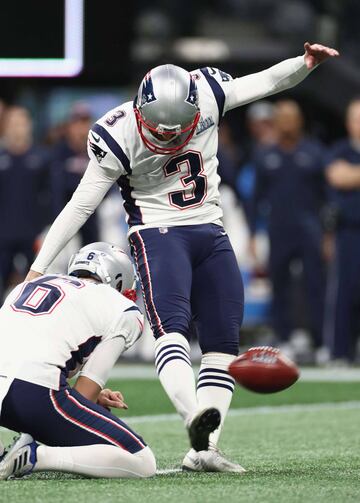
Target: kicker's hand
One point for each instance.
(317, 53)
(108, 398)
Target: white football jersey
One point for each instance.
(60, 324)
(165, 190)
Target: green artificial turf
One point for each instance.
(305, 455)
(147, 396)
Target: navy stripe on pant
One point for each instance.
(190, 274)
(64, 418)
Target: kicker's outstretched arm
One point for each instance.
(277, 78)
(86, 198)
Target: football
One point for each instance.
(264, 369)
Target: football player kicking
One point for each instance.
(51, 328)
(161, 151)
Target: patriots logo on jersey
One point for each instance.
(98, 152)
(193, 93)
(147, 95)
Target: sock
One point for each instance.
(96, 461)
(173, 365)
(215, 387)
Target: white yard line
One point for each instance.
(147, 371)
(330, 375)
(168, 471)
(257, 411)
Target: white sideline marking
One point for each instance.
(167, 471)
(147, 371)
(255, 411)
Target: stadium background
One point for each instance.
(299, 445)
(121, 41)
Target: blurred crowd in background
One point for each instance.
(291, 207)
(290, 165)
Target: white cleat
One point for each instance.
(210, 461)
(20, 459)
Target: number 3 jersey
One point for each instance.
(56, 325)
(175, 189)
(163, 190)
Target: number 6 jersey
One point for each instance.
(53, 326)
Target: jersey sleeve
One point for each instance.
(129, 325)
(93, 186)
(259, 190)
(106, 151)
(218, 81)
(277, 78)
(230, 93)
(103, 358)
(124, 332)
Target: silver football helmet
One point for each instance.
(167, 109)
(107, 263)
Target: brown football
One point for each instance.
(264, 369)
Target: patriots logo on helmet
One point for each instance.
(147, 95)
(98, 152)
(193, 93)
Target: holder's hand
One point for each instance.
(108, 398)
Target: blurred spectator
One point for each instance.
(260, 123)
(69, 162)
(343, 174)
(229, 156)
(23, 176)
(290, 191)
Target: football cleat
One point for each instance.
(210, 461)
(201, 426)
(192, 462)
(20, 459)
